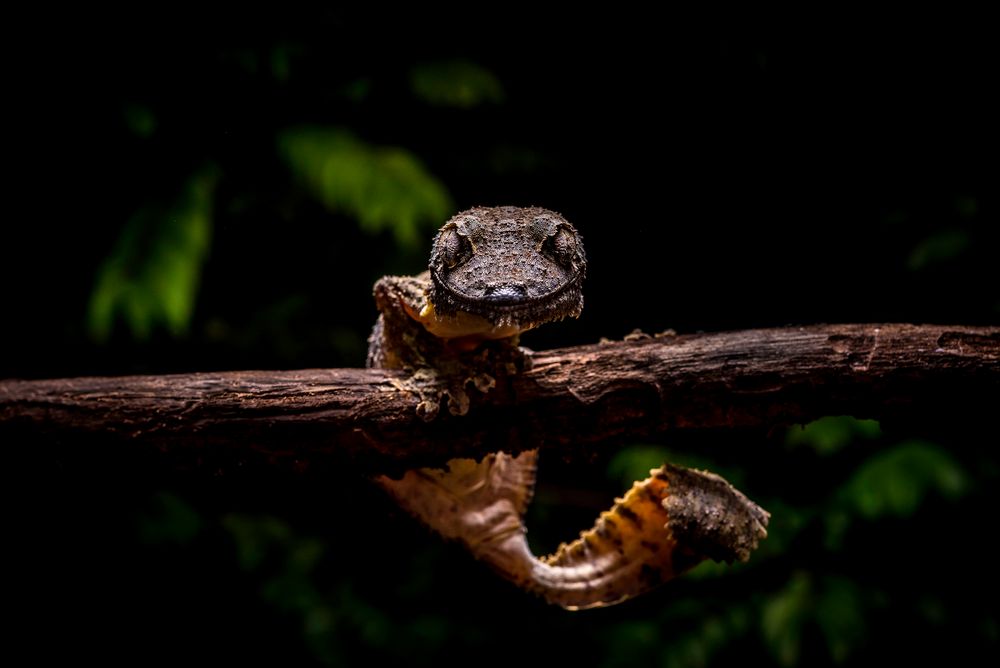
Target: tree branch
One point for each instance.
(574, 398)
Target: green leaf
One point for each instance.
(171, 520)
(938, 248)
(840, 614)
(255, 537)
(830, 434)
(894, 482)
(385, 188)
(783, 616)
(152, 275)
(711, 635)
(834, 604)
(455, 83)
(141, 120)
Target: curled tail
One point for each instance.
(663, 526)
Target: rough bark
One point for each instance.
(574, 399)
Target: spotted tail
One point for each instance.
(663, 526)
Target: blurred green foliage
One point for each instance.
(455, 83)
(140, 120)
(893, 482)
(152, 276)
(382, 188)
(830, 604)
(830, 434)
(170, 519)
(940, 247)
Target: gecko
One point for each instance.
(494, 273)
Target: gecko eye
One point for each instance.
(561, 246)
(542, 227)
(452, 248)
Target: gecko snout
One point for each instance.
(506, 295)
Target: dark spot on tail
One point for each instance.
(629, 515)
(651, 546)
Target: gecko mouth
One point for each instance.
(511, 302)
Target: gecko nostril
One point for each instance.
(506, 294)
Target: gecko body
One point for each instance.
(494, 273)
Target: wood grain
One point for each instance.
(574, 399)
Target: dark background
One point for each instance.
(177, 202)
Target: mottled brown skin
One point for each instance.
(513, 266)
(495, 272)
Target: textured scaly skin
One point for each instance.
(494, 273)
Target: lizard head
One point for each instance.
(515, 267)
